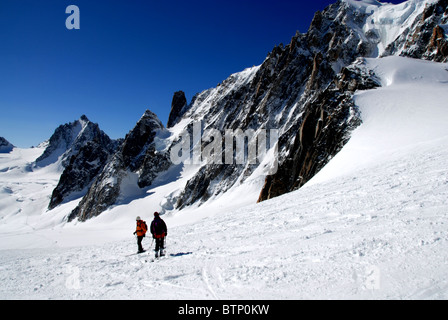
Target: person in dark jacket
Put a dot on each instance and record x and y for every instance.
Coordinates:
(159, 231)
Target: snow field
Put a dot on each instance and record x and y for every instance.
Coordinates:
(371, 225)
(335, 240)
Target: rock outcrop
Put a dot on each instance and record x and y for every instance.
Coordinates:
(82, 150)
(427, 37)
(324, 130)
(303, 90)
(131, 168)
(289, 92)
(5, 146)
(178, 106)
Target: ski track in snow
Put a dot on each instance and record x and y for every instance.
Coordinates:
(377, 230)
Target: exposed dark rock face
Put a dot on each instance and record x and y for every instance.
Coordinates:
(304, 90)
(426, 39)
(5, 146)
(324, 130)
(137, 159)
(102, 194)
(288, 92)
(438, 45)
(178, 107)
(80, 172)
(298, 91)
(60, 144)
(82, 149)
(69, 138)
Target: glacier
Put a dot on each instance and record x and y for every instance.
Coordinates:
(370, 225)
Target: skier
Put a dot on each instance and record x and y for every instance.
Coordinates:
(159, 232)
(140, 232)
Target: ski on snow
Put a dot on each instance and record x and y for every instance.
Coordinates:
(134, 254)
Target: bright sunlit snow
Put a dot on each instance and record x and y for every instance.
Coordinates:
(371, 225)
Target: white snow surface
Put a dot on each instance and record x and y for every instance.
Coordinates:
(371, 225)
(388, 20)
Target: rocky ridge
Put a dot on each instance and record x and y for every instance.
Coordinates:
(137, 162)
(5, 145)
(80, 149)
(304, 90)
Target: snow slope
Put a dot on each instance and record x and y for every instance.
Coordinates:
(388, 21)
(24, 195)
(370, 225)
(408, 111)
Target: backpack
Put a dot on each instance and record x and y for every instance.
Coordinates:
(142, 224)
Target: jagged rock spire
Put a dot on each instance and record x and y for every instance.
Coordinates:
(5, 146)
(178, 106)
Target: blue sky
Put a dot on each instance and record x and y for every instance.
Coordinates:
(127, 56)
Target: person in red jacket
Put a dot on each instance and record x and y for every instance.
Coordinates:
(140, 232)
(159, 231)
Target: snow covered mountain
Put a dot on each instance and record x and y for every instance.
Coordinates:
(5, 145)
(133, 167)
(68, 139)
(370, 27)
(304, 90)
(79, 149)
(352, 194)
(370, 225)
(416, 29)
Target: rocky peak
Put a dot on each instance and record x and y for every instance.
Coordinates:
(5, 146)
(420, 30)
(178, 106)
(82, 149)
(137, 162)
(325, 128)
(304, 89)
(134, 145)
(69, 138)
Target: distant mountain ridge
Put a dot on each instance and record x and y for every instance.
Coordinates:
(137, 159)
(304, 90)
(5, 145)
(81, 149)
